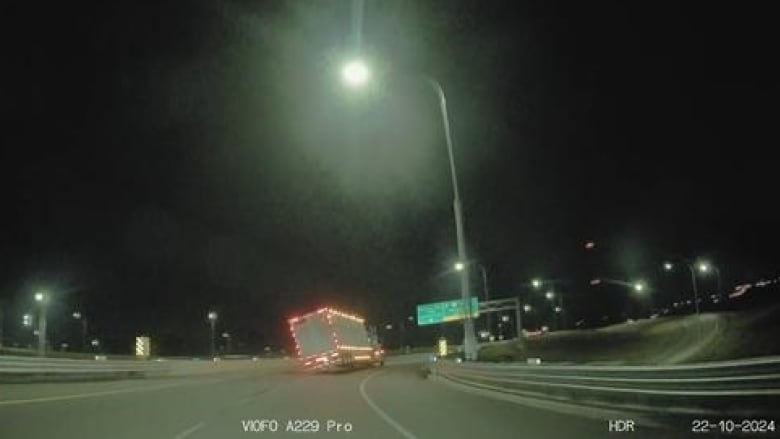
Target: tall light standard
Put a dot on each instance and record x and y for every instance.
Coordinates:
(356, 74)
(460, 266)
(705, 268)
(226, 336)
(702, 267)
(42, 299)
(83, 319)
(212, 316)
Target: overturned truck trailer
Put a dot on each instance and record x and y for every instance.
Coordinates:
(328, 339)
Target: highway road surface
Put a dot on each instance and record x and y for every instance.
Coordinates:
(391, 402)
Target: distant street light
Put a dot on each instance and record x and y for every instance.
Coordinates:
(558, 309)
(706, 268)
(702, 267)
(228, 339)
(83, 319)
(550, 295)
(459, 266)
(212, 317)
(639, 286)
(527, 308)
(95, 342)
(536, 283)
(356, 74)
(42, 298)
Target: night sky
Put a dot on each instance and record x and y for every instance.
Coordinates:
(164, 158)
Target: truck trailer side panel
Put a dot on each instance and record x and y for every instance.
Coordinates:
(313, 335)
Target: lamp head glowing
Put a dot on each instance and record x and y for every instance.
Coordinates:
(355, 73)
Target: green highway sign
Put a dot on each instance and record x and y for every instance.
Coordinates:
(449, 311)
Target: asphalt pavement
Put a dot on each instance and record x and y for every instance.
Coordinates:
(395, 401)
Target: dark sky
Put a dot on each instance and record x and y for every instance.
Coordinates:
(164, 158)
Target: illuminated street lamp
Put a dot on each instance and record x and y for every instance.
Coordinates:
(527, 308)
(42, 298)
(228, 338)
(706, 268)
(356, 74)
(702, 267)
(536, 283)
(639, 286)
(460, 266)
(549, 295)
(83, 319)
(212, 317)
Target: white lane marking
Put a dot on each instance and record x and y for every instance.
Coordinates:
(393, 423)
(89, 395)
(190, 430)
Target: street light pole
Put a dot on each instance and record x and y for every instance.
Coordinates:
(212, 316)
(695, 288)
(83, 322)
(487, 297)
(717, 274)
(469, 337)
(41, 298)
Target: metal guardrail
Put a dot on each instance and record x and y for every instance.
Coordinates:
(745, 386)
(18, 366)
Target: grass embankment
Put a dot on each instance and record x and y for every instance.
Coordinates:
(665, 340)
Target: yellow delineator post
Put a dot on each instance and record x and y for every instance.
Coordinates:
(143, 347)
(442, 347)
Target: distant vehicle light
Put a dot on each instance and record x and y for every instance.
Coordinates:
(534, 361)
